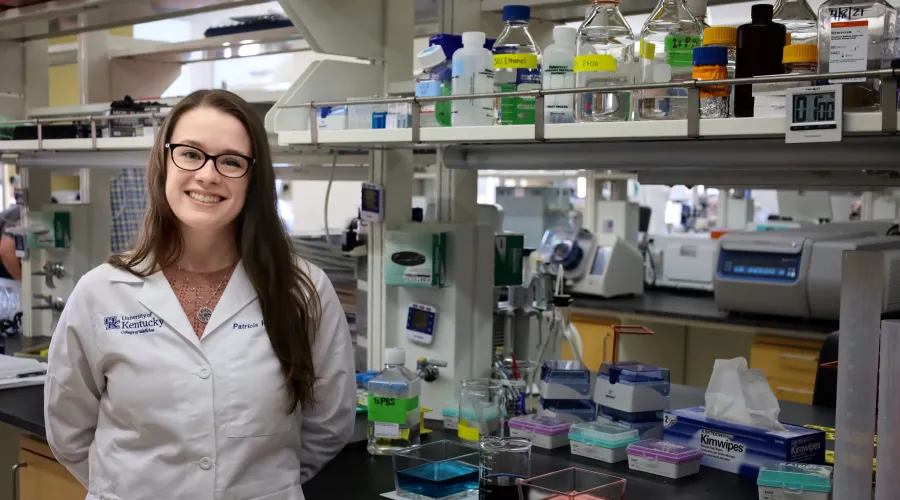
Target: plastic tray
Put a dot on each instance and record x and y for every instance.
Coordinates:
(632, 372)
(661, 451)
(540, 425)
(607, 435)
(796, 477)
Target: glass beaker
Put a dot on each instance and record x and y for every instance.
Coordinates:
(504, 461)
(482, 409)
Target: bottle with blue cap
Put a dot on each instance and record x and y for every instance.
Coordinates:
(517, 67)
(711, 63)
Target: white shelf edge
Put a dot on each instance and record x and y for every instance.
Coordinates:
(854, 123)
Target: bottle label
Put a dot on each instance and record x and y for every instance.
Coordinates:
(388, 410)
(429, 88)
(712, 73)
(443, 109)
(515, 61)
(680, 50)
(847, 13)
(558, 75)
(849, 47)
(595, 62)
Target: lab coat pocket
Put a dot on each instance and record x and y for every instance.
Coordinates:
(258, 398)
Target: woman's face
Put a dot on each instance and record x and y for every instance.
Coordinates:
(204, 199)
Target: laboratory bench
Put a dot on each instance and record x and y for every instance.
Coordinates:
(372, 476)
(43, 478)
(690, 333)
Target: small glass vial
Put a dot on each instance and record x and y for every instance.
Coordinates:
(722, 36)
(711, 63)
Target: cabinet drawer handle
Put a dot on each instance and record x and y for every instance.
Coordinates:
(799, 357)
(15, 479)
(795, 391)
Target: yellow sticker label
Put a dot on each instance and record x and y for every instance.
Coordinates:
(595, 62)
(516, 61)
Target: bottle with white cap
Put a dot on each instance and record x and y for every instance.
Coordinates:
(393, 405)
(473, 73)
(559, 73)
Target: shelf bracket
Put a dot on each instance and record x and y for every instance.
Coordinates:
(693, 113)
(889, 105)
(539, 118)
(313, 126)
(415, 121)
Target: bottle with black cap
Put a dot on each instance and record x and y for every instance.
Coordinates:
(760, 45)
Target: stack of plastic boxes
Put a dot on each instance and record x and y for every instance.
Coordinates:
(634, 395)
(565, 390)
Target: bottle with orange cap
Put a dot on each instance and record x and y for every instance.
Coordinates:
(799, 59)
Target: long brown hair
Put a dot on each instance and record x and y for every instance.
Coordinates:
(287, 296)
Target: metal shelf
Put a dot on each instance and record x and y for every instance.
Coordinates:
(255, 43)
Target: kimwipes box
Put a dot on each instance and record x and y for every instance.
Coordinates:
(739, 448)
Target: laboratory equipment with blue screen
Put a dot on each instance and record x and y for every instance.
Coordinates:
(371, 206)
(420, 323)
(793, 272)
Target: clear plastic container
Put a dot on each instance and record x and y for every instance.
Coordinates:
(606, 442)
(558, 73)
(795, 481)
(573, 484)
(434, 80)
(848, 28)
(393, 406)
(664, 459)
(436, 471)
(605, 56)
(799, 19)
(544, 432)
(517, 67)
(565, 380)
(674, 33)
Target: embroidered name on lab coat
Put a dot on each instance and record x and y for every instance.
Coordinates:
(136, 324)
(248, 326)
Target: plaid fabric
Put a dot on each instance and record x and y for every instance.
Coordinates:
(127, 204)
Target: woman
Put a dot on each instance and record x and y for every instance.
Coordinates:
(209, 362)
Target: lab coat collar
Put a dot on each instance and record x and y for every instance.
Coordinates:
(157, 296)
(238, 293)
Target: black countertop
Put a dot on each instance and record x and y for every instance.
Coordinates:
(369, 477)
(695, 305)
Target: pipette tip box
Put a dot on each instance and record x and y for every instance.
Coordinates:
(450, 415)
(602, 441)
(570, 410)
(564, 380)
(632, 387)
(742, 449)
(647, 430)
(665, 459)
(544, 432)
(778, 480)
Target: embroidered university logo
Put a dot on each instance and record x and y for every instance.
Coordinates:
(112, 322)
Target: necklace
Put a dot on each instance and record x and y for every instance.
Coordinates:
(205, 312)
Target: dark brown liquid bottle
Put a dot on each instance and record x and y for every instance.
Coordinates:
(760, 45)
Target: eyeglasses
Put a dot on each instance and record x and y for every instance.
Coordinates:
(192, 159)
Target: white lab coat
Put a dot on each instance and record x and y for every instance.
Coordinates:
(138, 408)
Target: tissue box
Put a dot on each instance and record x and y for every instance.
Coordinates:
(739, 448)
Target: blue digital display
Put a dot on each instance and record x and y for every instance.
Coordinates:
(759, 266)
(421, 321)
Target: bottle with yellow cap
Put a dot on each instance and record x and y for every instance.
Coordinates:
(604, 56)
(722, 36)
(770, 99)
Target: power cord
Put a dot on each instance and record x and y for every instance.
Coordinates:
(328, 196)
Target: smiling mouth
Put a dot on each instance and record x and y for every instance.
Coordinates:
(204, 198)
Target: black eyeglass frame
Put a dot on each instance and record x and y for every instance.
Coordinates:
(206, 157)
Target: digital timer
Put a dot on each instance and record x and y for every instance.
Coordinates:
(814, 114)
(371, 207)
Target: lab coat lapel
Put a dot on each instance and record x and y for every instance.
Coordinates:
(238, 293)
(158, 296)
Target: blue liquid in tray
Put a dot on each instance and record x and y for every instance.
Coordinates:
(438, 480)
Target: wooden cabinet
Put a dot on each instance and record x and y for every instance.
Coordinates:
(596, 339)
(41, 477)
(790, 365)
